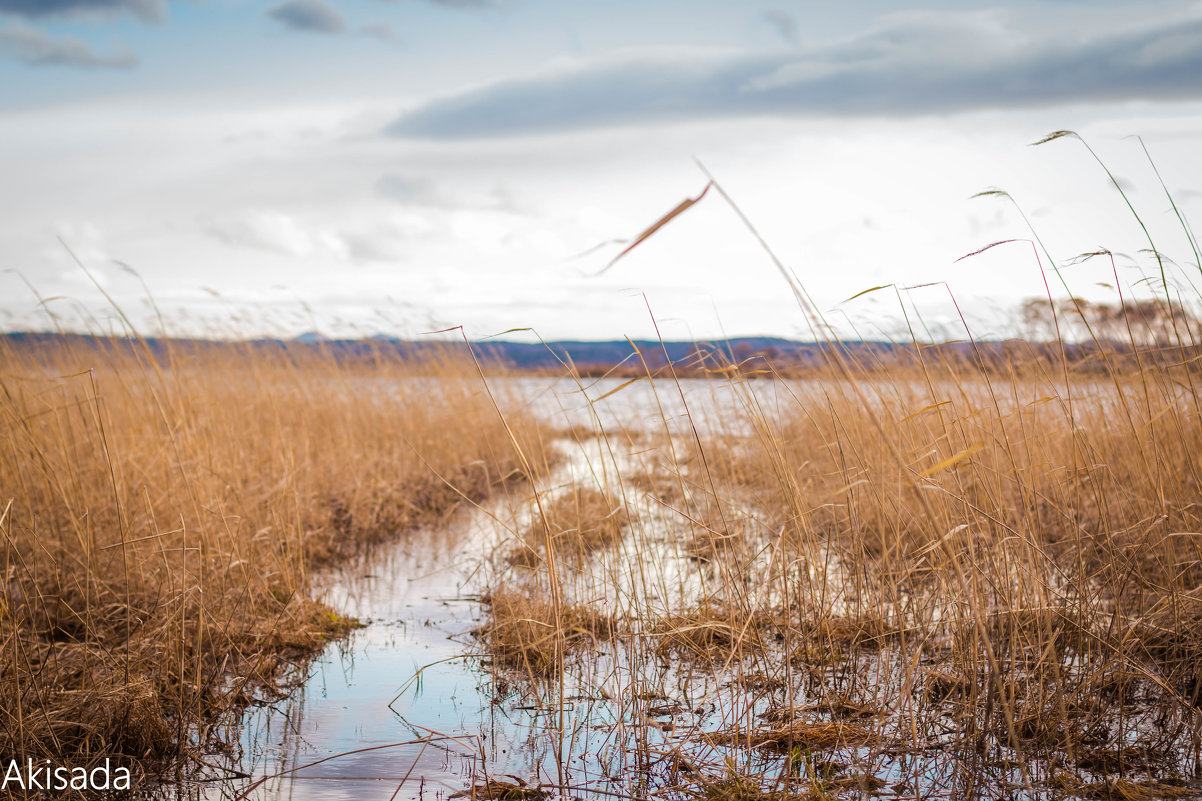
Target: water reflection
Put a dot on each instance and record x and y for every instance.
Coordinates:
(416, 598)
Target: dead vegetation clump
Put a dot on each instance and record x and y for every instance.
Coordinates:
(1119, 761)
(526, 633)
(714, 630)
(817, 783)
(660, 485)
(846, 633)
(845, 706)
(720, 535)
(494, 789)
(818, 735)
(1120, 789)
(1172, 632)
(576, 523)
(947, 685)
(743, 788)
(1036, 631)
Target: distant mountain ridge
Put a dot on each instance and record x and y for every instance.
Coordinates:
(749, 355)
(557, 355)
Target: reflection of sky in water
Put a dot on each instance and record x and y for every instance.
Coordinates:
(410, 593)
(412, 598)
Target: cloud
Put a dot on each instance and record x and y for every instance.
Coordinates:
(784, 23)
(310, 16)
(408, 190)
(275, 232)
(910, 63)
(387, 239)
(87, 241)
(420, 191)
(146, 10)
(39, 49)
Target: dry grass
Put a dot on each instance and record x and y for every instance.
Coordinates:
(741, 788)
(996, 568)
(528, 634)
(1117, 789)
(501, 790)
(163, 509)
(576, 523)
(821, 735)
(714, 631)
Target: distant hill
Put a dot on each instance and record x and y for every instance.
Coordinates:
(581, 356)
(749, 355)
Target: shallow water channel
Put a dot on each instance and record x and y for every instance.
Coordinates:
(395, 686)
(407, 706)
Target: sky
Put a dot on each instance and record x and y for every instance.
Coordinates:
(243, 168)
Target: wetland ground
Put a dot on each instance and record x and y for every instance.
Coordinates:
(943, 584)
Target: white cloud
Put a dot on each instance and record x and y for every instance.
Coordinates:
(277, 232)
(907, 64)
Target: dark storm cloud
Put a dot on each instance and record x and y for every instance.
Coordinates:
(146, 10)
(311, 16)
(910, 63)
(39, 49)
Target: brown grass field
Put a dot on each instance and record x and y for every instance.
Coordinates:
(162, 514)
(1001, 574)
